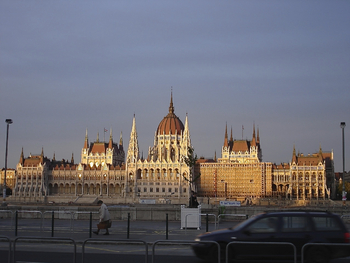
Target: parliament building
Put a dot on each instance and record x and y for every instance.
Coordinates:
(107, 170)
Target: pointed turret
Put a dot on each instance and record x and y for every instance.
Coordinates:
(21, 159)
(226, 137)
(231, 140)
(86, 143)
(54, 157)
(98, 138)
(121, 139)
(294, 158)
(320, 154)
(42, 155)
(110, 144)
(72, 159)
(186, 135)
(254, 138)
(171, 107)
(133, 150)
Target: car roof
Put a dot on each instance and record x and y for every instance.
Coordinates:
(298, 212)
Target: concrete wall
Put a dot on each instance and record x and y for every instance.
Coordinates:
(151, 212)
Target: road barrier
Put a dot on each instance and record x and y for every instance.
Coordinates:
(240, 216)
(44, 241)
(40, 240)
(6, 239)
(180, 242)
(52, 213)
(261, 244)
(322, 246)
(118, 241)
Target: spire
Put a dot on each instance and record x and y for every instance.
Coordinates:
(133, 150)
(226, 139)
(98, 138)
(86, 143)
(110, 144)
(121, 139)
(231, 140)
(21, 159)
(54, 157)
(215, 157)
(320, 154)
(72, 159)
(171, 107)
(254, 138)
(186, 137)
(42, 155)
(294, 158)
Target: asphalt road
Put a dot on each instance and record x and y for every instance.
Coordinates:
(126, 243)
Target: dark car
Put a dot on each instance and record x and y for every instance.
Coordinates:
(296, 227)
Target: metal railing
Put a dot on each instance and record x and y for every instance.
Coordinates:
(120, 241)
(260, 243)
(6, 239)
(241, 216)
(321, 249)
(181, 242)
(40, 240)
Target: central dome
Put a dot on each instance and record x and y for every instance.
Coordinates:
(170, 123)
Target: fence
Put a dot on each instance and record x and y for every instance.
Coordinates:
(15, 254)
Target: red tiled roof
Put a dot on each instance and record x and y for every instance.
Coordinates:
(240, 146)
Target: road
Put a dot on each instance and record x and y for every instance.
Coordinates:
(122, 245)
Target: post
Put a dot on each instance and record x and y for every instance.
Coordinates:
(128, 229)
(342, 126)
(8, 121)
(90, 228)
(52, 223)
(16, 223)
(207, 223)
(166, 227)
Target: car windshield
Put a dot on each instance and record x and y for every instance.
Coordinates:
(244, 223)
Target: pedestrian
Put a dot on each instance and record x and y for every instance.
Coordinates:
(105, 219)
(193, 200)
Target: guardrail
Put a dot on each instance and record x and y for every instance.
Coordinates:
(44, 241)
(320, 250)
(346, 218)
(181, 242)
(123, 241)
(6, 239)
(261, 243)
(207, 219)
(52, 213)
(40, 240)
(241, 216)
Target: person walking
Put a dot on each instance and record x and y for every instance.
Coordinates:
(105, 219)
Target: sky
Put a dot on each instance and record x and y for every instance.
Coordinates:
(68, 66)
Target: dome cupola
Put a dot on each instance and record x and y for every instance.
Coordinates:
(170, 124)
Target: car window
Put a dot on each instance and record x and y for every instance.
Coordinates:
(295, 224)
(325, 223)
(264, 225)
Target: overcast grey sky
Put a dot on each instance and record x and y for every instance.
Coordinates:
(70, 65)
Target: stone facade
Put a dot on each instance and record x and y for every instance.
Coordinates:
(104, 171)
(107, 171)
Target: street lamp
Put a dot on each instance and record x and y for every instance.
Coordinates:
(8, 121)
(342, 126)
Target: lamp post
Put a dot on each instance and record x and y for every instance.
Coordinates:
(8, 121)
(342, 126)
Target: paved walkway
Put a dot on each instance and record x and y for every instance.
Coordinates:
(79, 230)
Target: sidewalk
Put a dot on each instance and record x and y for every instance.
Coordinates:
(148, 231)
